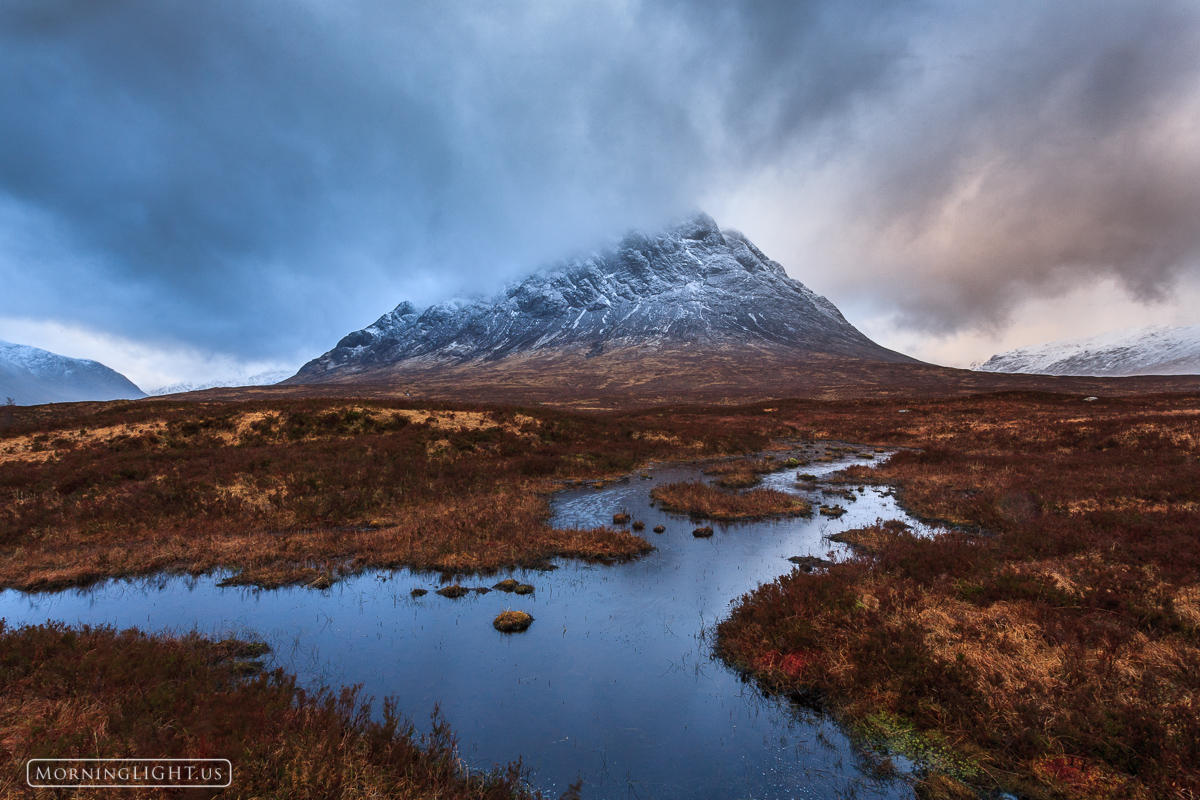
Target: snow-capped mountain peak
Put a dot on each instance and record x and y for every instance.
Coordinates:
(1145, 350)
(31, 376)
(692, 285)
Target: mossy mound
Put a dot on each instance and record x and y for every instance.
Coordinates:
(512, 621)
(453, 592)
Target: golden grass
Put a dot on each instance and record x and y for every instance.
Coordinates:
(302, 492)
(512, 621)
(83, 693)
(1055, 642)
(698, 499)
(477, 533)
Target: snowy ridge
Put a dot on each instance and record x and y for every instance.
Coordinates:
(690, 285)
(31, 376)
(259, 379)
(1148, 350)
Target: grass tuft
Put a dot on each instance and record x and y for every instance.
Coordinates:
(699, 499)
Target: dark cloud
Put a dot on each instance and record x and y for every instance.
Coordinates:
(1042, 147)
(259, 178)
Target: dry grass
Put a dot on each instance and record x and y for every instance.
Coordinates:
(1053, 642)
(302, 492)
(512, 621)
(77, 693)
(698, 499)
(873, 538)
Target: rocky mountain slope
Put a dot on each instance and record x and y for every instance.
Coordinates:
(1150, 350)
(30, 376)
(691, 302)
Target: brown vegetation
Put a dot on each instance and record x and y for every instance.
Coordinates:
(631, 377)
(872, 538)
(512, 621)
(699, 499)
(1051, 645)
(74, 693)
(1051, 641)
(301, 492)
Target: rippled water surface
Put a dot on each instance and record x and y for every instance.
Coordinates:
(615, 682)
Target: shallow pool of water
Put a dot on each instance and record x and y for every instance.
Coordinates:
(615, 682)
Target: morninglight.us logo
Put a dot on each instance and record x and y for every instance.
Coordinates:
(128, 773)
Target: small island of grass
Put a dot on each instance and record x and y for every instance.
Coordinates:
(512, 621)
(700, 499)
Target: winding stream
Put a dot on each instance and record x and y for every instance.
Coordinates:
(615, 682)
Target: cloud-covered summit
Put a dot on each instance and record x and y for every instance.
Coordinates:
(691, 288)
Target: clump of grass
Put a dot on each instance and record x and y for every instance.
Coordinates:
(621, 518)
(873, 538)
(523, 588)
(699, 499)
(507, 585)
(660, 528)
(638, 525)
(739, 480)
(703, 533)
(745, 473)
(512, 621)
(454, 592)
(419, 592)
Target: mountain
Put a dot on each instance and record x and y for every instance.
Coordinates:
(1149, 350)
(691, 303)
(260, 379)
(30, 376)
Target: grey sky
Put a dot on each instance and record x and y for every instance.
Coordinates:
(248, 181)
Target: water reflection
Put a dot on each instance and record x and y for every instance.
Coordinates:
(615, 682)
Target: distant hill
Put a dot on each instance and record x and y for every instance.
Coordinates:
(691, 305)
(30, 376)
(1150, 350)
(259, 379)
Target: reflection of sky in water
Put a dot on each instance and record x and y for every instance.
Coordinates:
(614, 682)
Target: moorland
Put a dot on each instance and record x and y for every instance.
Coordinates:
(1048, 642)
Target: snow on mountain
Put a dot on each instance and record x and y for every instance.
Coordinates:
(691, 286)
(30, 376)
(1148, 350)
(258, 379)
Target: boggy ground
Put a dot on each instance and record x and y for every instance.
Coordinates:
(301, 491)
(83, 693)
(1050, 644)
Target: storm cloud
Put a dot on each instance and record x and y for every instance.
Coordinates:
(256, 179)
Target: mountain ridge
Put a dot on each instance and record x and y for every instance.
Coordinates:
(1144, 350)
(690, 288)
(32, 376)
